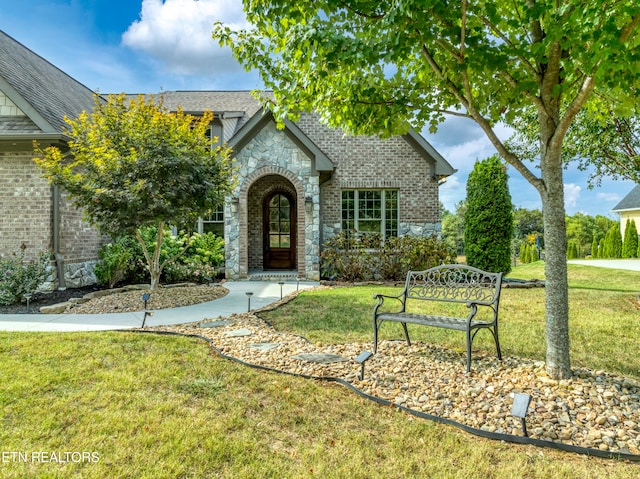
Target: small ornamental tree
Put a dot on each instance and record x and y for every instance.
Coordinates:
(602, 249)
(630, 243)
(523, 255)
(132, 163)
(489, 217)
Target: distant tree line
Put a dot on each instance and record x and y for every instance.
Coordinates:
(587, 236)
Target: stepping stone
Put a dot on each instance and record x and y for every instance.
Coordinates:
(322, 358)
(238, 333)
(217, 324)
(264, 346)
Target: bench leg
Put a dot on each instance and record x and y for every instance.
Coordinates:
(494, 331)
(375, 335)
(406, 333)
(469, 341)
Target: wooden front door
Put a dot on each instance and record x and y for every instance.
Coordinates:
(279, 220)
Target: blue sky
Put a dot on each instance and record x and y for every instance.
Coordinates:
(146, 46)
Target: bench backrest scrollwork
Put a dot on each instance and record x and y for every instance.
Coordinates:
(456, 283)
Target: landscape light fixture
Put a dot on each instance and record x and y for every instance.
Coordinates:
(362, 358)
(144, 319)
(145, 299)
(249, 294)
(521, 403)
(281, 283)
(27, 296)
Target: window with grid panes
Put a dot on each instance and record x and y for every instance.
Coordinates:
(370, 211)
(213, 223)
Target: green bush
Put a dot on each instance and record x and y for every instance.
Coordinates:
(195, 272)
(19, 276)
(362, 257)
(207, 248)
(123, 260)
(116, 261)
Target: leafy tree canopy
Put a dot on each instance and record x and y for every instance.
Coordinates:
(131, 163)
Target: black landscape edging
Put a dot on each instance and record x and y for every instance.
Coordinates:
(384, 402)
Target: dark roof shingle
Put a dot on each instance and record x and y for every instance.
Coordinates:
(630, 202)
(48, 90)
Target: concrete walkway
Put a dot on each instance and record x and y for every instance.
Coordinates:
(629, 264)
(236, 301)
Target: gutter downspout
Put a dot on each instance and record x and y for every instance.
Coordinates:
(56, 238)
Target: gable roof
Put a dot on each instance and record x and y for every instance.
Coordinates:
(321, 162)
(442, 167)
(629, 202)
(41, 90)
(240, 105)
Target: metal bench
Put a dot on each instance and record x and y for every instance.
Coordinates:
(452, 283)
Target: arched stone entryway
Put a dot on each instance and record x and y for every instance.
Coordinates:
(272, 222)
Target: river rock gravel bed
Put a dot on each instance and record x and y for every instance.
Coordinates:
(593, 409)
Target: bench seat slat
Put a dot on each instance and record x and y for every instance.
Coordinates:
(447, 322)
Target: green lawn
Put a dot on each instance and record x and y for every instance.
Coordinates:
(603, 316)
(150, 406)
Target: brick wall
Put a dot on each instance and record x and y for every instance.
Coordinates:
(25, 206)
(26, 216)
(371, 162)
(79, 242)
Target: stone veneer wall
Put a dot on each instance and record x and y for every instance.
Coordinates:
(268, 161)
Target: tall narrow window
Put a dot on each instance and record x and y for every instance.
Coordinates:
(279, 222)
(370, 211)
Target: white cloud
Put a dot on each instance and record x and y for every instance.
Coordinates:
(178, 34)
(452, 192)
(610, 197)
(571, 195)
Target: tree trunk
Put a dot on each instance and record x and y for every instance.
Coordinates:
(153, 261)
(558, 363)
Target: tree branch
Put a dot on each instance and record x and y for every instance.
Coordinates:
(360, 13)
(463, 28)
(525, 61)
(628, 30)
(512, 159)
(572, 110)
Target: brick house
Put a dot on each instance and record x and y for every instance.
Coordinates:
(295, 187)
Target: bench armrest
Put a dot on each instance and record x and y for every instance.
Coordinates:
(382, 297)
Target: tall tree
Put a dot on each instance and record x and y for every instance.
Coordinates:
(630, 242)
(378, 67)
(594, 248)
(132, 163)
(613, 243)
(489, 218)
